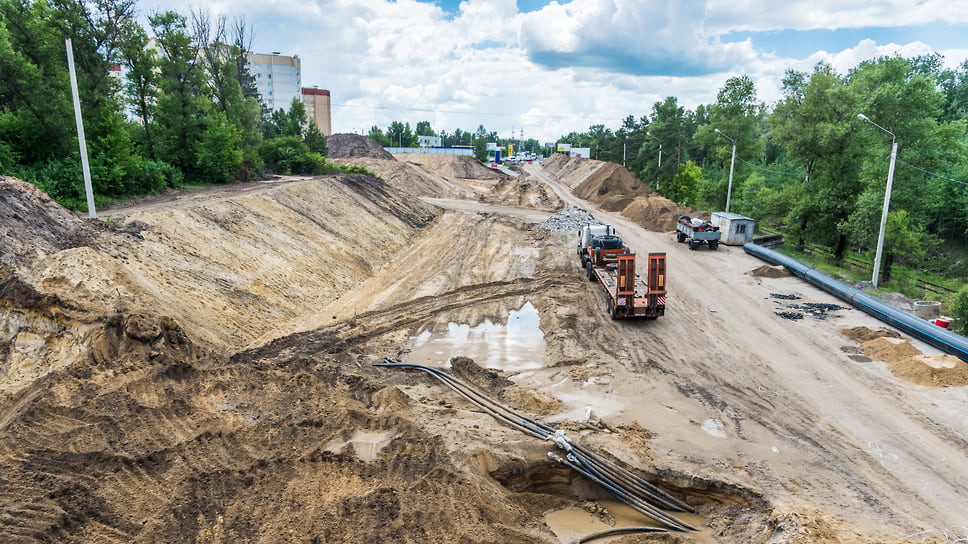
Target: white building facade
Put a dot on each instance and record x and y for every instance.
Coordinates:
(278, 78)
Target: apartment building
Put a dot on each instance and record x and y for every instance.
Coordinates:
(316, 102)
(278, 78)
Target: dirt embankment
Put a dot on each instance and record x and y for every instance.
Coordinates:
(225, 269)
(454, 176)
(613, 188)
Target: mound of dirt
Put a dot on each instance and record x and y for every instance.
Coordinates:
(767, 271)
(866, 334)
(453, 166)
(31, 223)
(613, 188)
(411, 178)
(909, 364)
(346, 146)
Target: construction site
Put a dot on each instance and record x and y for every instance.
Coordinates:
(421, 356)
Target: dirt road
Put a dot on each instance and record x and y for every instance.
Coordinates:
(811, 426)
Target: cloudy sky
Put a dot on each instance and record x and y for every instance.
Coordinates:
(551, 67)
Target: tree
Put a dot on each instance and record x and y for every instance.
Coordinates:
(217, 154)
(816, 123)
(141, 88)
(401, 135)
(423, 129)
(897, 94)
(737, 115)
(315, 140)
(682, 190)
(378, 136)
(183, 104)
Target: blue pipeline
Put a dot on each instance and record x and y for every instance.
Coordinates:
(925, 331)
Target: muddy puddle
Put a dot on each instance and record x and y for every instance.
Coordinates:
(572, 524)
(517, 345)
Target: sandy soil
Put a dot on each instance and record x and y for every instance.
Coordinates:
(197, 369)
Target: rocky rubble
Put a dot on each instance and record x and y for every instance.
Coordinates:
(569, 219)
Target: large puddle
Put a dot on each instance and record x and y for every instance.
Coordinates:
(572, 524)
(517, 345)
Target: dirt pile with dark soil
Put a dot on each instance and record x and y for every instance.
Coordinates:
(613, 188)
(348, 146)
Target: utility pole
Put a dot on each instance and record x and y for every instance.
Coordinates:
(85, 167)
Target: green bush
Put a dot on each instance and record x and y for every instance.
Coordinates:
(156, 176)
(959, 309)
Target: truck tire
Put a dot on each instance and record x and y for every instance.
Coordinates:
(693, 245)
(680, 237)
(714, 245)
(609, 308)
(588, 269)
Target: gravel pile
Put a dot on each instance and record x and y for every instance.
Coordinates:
(569, 219)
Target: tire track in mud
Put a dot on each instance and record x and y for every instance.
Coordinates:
(371, 324)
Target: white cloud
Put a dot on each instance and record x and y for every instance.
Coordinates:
(555, 70)
(724, 16)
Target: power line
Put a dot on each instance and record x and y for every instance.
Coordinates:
(791, 174)
(930, 173)
(456, 112)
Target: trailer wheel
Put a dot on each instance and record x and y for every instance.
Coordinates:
(714, 245)
(693, 244)
(610, 308)
(588, 269)
(680, 237)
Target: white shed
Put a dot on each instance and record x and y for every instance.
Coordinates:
(736, 229)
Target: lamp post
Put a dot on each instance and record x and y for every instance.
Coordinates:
(660, 159)
(729, 189)
(887, 198)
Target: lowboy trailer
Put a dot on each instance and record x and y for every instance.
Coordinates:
(627, 295)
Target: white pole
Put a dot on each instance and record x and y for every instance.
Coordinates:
(729, 189)
(85, 167)
(887, 204)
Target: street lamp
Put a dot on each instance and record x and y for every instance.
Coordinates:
(887, 198)
(660, 158)
(729, 189)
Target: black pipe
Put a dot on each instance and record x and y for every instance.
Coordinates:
(630, 489)
(925, 331)
(621, 531)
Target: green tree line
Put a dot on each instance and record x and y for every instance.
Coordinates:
(399, 134)
(186, 112)
(809, 166)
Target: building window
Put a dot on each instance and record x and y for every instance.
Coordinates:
(741, 228)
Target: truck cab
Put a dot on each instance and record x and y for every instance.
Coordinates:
(585, 235)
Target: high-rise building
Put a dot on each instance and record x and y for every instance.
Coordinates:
(278, 78)
(316, 102)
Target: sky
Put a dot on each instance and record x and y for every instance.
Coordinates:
(543, 69)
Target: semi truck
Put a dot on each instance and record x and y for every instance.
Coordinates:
(609, 262)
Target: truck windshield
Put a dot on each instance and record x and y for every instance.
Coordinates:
(607, 242)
